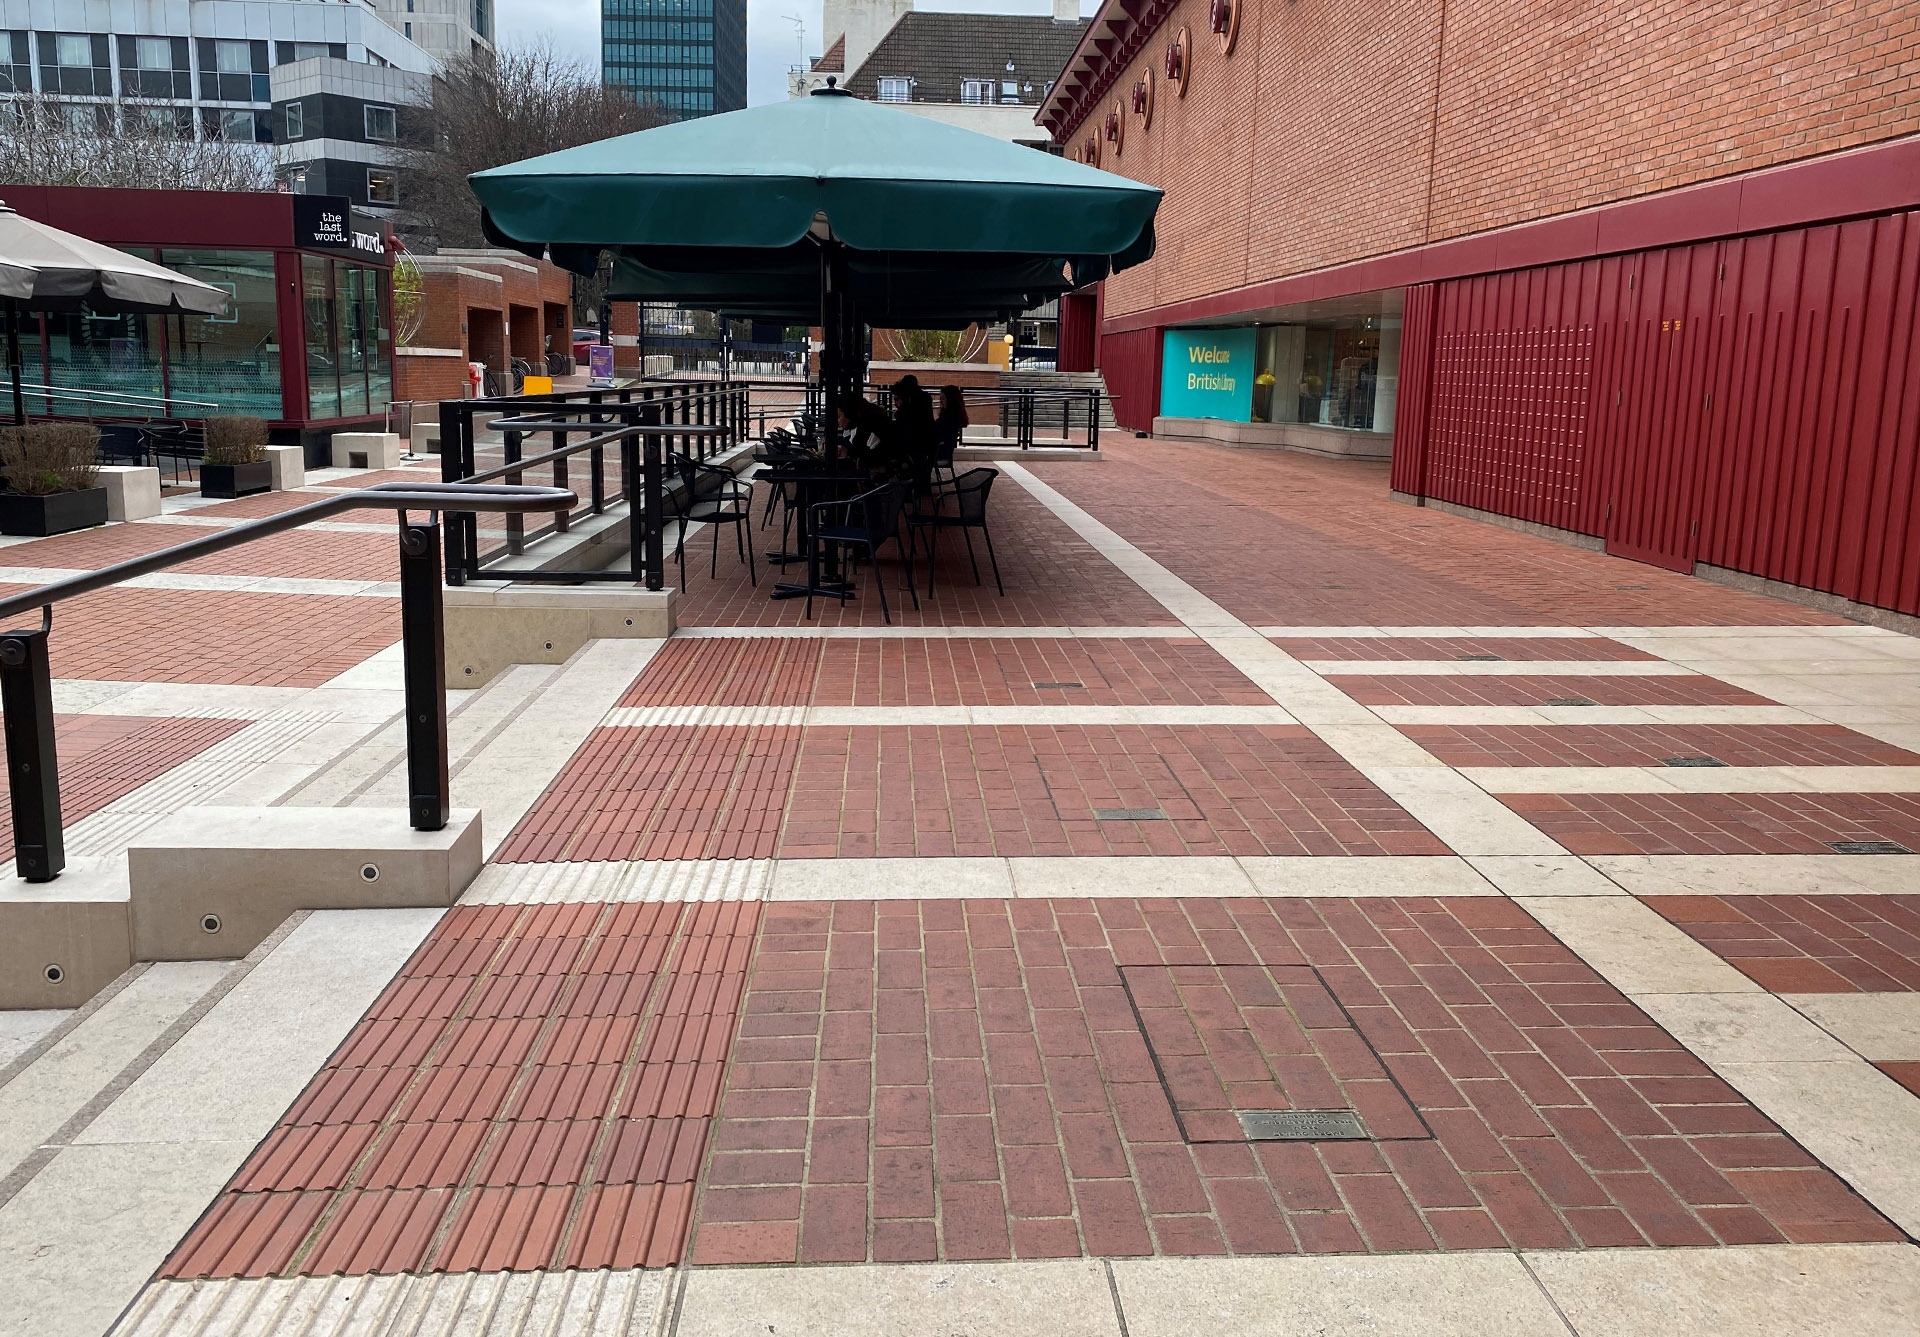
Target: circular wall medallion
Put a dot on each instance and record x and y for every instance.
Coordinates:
(1117, 127)
(1180, 59)
(1224, 18)
(1090, 152)
(1143, 98)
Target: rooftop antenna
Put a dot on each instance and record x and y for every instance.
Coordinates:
(799, 39)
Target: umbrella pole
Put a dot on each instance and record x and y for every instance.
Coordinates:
(13, 360)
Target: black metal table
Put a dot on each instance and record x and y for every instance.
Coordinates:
(812, 486)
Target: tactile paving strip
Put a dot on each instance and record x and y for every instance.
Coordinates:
(533, 1091)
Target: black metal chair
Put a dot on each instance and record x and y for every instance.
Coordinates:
(731, 503)
(177, 439)
(968, 500)
(865, 523)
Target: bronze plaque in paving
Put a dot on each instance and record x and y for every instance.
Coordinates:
(1252, 1053)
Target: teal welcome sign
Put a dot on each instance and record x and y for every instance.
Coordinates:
(1207, 374)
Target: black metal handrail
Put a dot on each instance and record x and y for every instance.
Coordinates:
(26, 673)
(642, 422)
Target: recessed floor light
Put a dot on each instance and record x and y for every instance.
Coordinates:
(1128, 815)
(1691, 761)
(1572, 701)
(1045, 685)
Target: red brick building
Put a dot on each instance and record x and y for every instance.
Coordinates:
(482, 306)
(1643, 273)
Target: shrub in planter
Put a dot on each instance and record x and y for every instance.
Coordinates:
(235, 464)
(50, 470)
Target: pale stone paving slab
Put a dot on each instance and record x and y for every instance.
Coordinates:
(1449, 1295)
(1880, 1027)
(1756, 874)
(1694, 779)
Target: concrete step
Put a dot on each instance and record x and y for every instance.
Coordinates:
(135, 1118)
(63, 1072)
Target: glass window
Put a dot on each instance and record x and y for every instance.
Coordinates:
(232, 57)
(73, 49)
(382, 186)
(296, 120)
(895, 90)
(381, 128)
(352, 327)
(231, 361)
(323, 373)
(974, 92)
(153, 53)
(175, 122)
(236, 125)
(1009, 90)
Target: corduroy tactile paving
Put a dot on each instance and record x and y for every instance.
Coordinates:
(954, 1080)
(105, 757)
(971, 671)
(707, 792)
(1543, 690)
(533, 1091)
(1720, 823)
(1809, 944)
(1655, 744)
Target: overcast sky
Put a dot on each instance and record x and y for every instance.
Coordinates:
(573, 26)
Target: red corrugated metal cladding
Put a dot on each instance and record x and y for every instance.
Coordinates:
(1752, 404)
(1079, 327)
(1130, 362)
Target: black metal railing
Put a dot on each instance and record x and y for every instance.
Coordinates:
(26, 674)
(1027, 415)
(639, 425)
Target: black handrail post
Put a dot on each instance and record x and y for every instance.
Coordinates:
(1093, 420)
(516, 526)
(33, 765)
(423, 630)
(563, 522)
(452, 470)
(655, 528)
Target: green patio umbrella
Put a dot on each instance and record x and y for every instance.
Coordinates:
(826, 208)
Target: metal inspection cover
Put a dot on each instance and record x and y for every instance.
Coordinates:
(1481, 659)
(1128, 815)
(1867, 847)
(1045, 685)
(1691, 761)
(1572, 701)
(1302, 1126)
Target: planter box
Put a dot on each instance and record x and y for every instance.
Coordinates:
(235, 480)
(61, 513)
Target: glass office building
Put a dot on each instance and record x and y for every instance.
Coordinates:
(687, 56)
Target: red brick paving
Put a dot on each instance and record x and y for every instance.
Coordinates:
(307, 553)
(266, 503)
(1320, 543)
(1035, 789)
(533, 1091)
(1538, 690)
(706, 792)
(423, 474)
(677, 792)
(1650, 744)
(1808, 944)
(216, 636)
(1053, 578)
(1719, 823)
(922, 1080)
(973, 671)
(1458, 647)
(105, 757)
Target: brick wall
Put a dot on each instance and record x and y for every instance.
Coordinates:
(1341, 129)
(424, 376)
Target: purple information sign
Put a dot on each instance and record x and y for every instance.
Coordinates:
(600, 361)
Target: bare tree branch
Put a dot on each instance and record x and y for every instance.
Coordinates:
(487, 111)
(129, 142)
